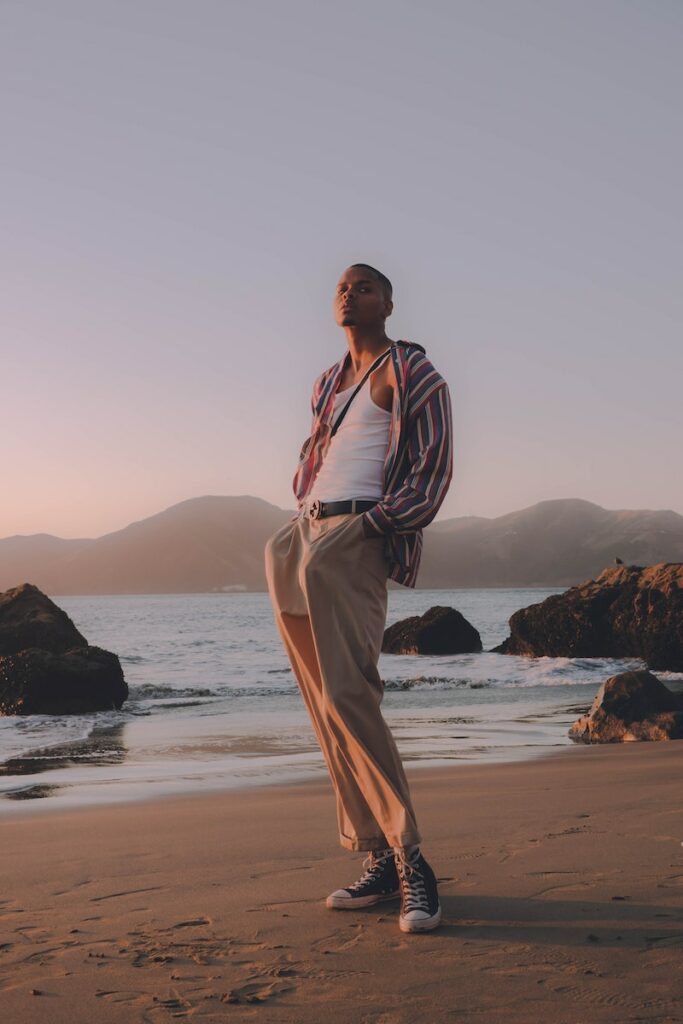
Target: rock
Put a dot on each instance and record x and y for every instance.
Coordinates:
(631, 706)
(627, 612)
(28, 618)
(46, 665)
(439, 631)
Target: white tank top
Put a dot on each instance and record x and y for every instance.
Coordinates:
(353, 466)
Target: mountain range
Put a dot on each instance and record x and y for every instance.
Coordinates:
(215, 543)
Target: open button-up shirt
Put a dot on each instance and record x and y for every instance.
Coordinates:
(419, 462)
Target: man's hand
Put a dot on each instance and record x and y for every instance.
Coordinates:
(368, 529)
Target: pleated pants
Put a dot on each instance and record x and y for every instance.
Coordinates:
(328, 586)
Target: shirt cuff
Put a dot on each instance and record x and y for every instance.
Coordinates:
(376, 523)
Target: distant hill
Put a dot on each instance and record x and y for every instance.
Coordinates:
(216, 543)
(554, 543)
(199, 545)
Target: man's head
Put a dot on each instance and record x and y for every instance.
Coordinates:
(363, 297)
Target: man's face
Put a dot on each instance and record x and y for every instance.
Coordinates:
(360, 300)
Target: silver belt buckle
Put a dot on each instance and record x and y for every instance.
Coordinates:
(315, 509)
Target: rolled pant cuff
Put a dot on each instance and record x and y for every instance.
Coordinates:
(380, 842)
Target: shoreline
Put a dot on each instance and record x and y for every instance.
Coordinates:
(393, 586)
(561, 883)
(28, 807)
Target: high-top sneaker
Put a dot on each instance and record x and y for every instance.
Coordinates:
(420, 909)
(379, 881)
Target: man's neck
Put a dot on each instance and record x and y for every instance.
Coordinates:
(365, 346)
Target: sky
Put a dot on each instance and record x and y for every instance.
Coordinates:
(183, 183)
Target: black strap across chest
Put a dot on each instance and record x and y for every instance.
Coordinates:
(337, 423)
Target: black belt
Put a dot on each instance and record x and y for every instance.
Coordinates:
(321, 509)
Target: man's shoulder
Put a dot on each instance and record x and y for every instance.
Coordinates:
(416, 364)
(409, 348)
(420, 382)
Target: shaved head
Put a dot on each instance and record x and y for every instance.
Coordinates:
(363, 297)
(378, 275)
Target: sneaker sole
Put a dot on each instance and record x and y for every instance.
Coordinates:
(340, 903)
(427, 925)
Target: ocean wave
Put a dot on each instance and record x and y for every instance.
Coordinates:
(433, 683)
(159, 691)
(670, 677)
(518, 672)
(262, 691)
(548, 671)
(170, 706)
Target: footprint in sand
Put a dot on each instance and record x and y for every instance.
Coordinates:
(553, 890)
(124, 892)
(196, 922)
(174, 1005)
(72, 888)
(122, 996)
(383, 1018)
(257, 991)
(280, 871)
(581, 994)
(276, 907)
(671, 882)
(341, 940)
(468, 855)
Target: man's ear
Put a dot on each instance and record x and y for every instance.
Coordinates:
(388, 308)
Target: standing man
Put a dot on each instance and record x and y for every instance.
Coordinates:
(373, 472)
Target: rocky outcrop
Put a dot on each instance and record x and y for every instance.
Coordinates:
(30, 619)
(627, 612)
(46, 665)
(39, 682)
(631, 706)
(439, 631)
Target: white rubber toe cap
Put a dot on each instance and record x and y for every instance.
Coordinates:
(419, 921)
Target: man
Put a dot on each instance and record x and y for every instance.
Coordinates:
(373, 472)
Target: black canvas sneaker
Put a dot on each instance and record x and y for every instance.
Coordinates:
(378, 882)
(420, 909)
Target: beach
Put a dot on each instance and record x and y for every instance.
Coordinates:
(561, 883)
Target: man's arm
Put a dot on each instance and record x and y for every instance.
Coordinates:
(430, 468)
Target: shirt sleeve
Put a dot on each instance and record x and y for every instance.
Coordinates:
(302, 475)
(318, 387)
(429, 458)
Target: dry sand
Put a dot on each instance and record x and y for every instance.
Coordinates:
(562, 887)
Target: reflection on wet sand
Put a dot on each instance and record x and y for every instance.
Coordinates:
(104, 746)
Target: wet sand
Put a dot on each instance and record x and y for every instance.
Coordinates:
(562, 888)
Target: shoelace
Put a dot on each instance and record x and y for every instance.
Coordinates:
(412, 882)
(373, 866)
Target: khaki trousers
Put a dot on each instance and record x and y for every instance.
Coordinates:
(328, 585)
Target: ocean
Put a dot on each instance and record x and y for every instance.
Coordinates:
(213, 704)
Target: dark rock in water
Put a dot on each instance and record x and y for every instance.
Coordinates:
(35, 682)
(439, 631)
(46, 665)
(28, 618)
(631, 706)
(627, 612)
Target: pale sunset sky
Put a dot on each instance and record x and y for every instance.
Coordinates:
(183, 182)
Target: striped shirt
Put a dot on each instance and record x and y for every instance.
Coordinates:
(419, 460)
